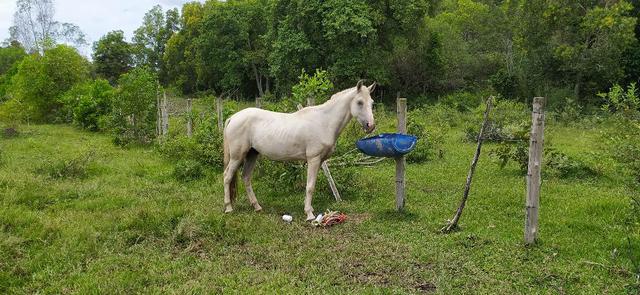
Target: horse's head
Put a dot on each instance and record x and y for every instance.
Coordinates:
(362, 106)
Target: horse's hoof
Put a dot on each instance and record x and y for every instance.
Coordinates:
(311, 217)
(257, 208)
(228, 209)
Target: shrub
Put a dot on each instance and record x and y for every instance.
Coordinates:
(88, 104)
(508, 121)
(41, 80)
(556, 163)
(205, 147)
(187, 170)
(135, 107)
(317, 87)
(76, 167)
(462, 101)
(619, 100)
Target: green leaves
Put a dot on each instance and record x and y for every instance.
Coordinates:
(112, 56)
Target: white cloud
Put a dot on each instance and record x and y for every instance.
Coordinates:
(94, 17)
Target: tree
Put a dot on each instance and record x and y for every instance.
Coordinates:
(35, 28)
(112, 56)
(589, 42)
(41, 80)
(9, 55)
(150, 39)
(181, 51)
(135, 107)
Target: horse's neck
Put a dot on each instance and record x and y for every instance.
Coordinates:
(336, 114)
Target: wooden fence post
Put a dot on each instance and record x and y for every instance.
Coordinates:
(536, 142)
(189, 119)
(165, 115)
(219, 113)
(400, 161)
(327, 173)
(159, 114)
(258, 102)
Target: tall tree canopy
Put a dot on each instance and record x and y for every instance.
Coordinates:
(112, 56)
(151, 38)
(36, 29)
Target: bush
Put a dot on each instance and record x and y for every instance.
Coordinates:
(621, 101)
(187, 170)
(508, 121)
(556, 163)
(317, 87)
(41, 80)
(76, 167)
(462, 101)
(205, 147)
(135, 107)
(88, 104)
(431, 125)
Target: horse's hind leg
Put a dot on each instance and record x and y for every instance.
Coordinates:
(229, 183)
(247, 171)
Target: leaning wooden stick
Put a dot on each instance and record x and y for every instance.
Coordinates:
(453, 224)
(327, 173)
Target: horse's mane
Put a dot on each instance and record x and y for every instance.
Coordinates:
(340, 94)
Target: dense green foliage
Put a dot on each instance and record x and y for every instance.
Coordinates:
(41, 80)
(135, 107)
(518, 48)
(112, 56)
(88, 104)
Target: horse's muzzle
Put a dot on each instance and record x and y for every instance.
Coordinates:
(369, 127)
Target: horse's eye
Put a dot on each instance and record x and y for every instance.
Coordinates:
(360, 103)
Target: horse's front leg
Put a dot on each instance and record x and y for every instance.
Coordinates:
(312, 174)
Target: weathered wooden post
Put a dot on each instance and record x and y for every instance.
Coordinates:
(189, 119)
(258, 102)
(327, 173)
(219, 113)
(159, 113)
(400, 161)
(165, 115)
(536, 142)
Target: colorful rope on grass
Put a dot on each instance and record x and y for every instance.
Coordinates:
(329, 218)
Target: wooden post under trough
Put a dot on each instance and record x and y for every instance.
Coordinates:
(536, 142)
(400, 161)
(219, 113)
(327, 173)
(189, 119)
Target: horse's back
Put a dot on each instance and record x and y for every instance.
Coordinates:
(279, 136)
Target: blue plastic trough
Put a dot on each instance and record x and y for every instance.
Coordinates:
(387, 144)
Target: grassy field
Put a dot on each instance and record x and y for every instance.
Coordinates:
(124, 225)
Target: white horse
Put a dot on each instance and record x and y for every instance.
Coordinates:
(309, 134)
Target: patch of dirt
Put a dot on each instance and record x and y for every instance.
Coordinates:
(10, 132)
(426, 287)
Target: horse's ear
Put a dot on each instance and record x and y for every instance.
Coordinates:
(372, 87)
(359, 85)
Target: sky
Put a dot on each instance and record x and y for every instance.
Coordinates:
(94, 17)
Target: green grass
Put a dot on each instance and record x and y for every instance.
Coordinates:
(128, 226)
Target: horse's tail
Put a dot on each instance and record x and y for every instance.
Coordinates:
(233, 186)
